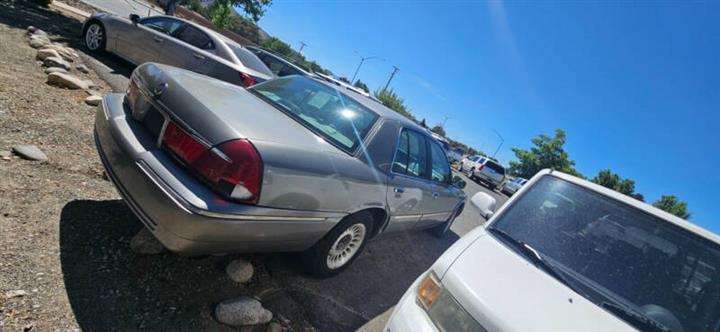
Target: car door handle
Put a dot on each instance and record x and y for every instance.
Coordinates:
(399, 190)
(159, 39)
(198, 56)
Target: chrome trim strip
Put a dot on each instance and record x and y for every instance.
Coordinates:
(406, 216)
(255, 217)
(436, 214)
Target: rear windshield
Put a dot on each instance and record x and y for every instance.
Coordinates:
(495, 167)
(250, 60)
(615, 253)
(323, 109)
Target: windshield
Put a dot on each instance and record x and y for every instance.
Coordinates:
(621, 254)
(325, 110)
(250, 60)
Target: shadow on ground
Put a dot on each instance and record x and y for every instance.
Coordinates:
(370, 286)
(62, 29)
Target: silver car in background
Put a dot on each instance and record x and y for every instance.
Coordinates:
(512, 186)
(489, 172)
(176, 42)
(291, 164)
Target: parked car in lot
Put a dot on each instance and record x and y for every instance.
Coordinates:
(565, 254)
(512, 186)
(468, 164)
(176, 42)
(489, 172)
(291, 164)
(279, 65)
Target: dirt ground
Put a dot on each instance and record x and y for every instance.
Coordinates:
(64, 232)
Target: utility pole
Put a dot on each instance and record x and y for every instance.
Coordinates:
(395, 70)
(302, 45)
(360, 64)
(502, 140)
(445, 121)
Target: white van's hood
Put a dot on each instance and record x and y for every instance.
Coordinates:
(504, 292)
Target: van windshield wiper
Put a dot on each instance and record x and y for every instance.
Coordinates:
(532, 254)
(634, 317)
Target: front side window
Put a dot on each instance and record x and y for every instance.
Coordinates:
(440, 167)
(162, 24)
(618, 254)
(195, 37)
(323, 109)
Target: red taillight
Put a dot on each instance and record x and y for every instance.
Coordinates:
(132, 93)
(247, 80)
(233, 168)
(480, 168)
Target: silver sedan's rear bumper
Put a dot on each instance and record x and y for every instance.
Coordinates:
(183, 213)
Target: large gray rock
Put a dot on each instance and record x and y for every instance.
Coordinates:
(30, 152)
(66, 81)
(31, 29)
(274, 327)
(144, 243)
(242, 311)
(66, 53)
(45, 53)
(82, 68)
(240, 270)
(38, 32)
(38, 42)
(55, 70)
(56, 61)
(93, 100)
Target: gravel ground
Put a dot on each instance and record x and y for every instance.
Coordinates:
(65, 233)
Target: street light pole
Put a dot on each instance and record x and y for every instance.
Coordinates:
(302, 45)
(395, 70)
(502, 140)
(360, 64)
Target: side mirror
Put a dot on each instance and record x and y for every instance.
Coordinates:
(134, 18)
(458, 182)
(484, 203)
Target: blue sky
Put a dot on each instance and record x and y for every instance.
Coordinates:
(635, 85)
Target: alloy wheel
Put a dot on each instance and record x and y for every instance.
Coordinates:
(94, 37)
(346, 246)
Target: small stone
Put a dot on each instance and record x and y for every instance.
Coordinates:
(30, 152)
(242, 311)
(5, 155)
(274, 327)
(55, 61)
(44, 53)
(82, 68)
(38, 42)
(145, 243)
(55, 70)
(93, 100)
(39, 32)
(240, 270)
(66, 81)
(31, 29)
(15, 293)
(66, 53)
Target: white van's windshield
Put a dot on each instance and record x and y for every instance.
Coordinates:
(619, 254)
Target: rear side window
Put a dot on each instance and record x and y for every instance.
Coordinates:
(250, 60)
(440, 167)
(411, 155)
(195, 37)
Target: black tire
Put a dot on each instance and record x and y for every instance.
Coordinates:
(101, 43)
(472, 173)
(315, 259)
(439, 231)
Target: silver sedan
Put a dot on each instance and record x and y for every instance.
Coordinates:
(291, 164)
(176, 42)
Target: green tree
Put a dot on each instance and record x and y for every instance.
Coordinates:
(254, 9)
(608, 179)
(344, 79)
(438, 129)
(672, 204)
(394, 102)
(221, 14)
(547, 152)
(359, 84)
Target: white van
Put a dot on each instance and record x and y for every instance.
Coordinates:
(565, 254)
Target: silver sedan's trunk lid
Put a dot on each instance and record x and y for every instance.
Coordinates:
(217, 111)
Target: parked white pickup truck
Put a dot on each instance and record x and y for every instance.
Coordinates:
(564, 254)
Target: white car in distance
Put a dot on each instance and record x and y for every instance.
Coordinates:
(565, 254)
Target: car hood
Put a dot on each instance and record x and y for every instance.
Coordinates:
(504, 292)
